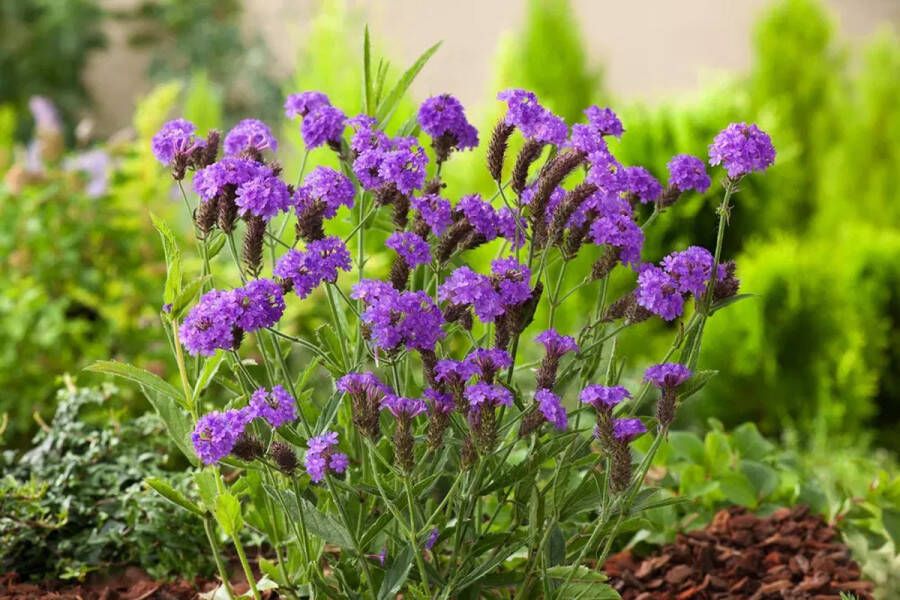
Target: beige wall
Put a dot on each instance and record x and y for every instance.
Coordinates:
(647, 47)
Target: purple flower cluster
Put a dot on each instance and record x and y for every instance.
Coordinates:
(399, 162)
(490, 297)
(322, 122)
(174, 138)
(551, 407)
(399, 318)
(625, 430)
(411, 248)
(588, 138)
(276, 407)
(325, 186)
(322, 458)
(533, 120)
(487, 394)
(249, 135)
(402, 407)
(688, 172)
(216, 432)
(306, 269)
(211, 181)
(742, 149)
(263, 196)
(604, 398)
(488, 362)
(363, 384)
(556, 344)
(444, 116)
(622, 233)
(454, 372)
(658, 293)
(642, 184)
(440, 402)
(435, 211)
(662, 290)
(216, 320)
(667, 375)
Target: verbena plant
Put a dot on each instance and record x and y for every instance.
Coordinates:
(420, 449)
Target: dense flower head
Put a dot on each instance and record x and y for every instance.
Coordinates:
(551, 407)
(261, 302)
(606, 172)
(432, 539)
(210, 324)
(742, 149)
(249, 134)
(263, 196)
(404, 167)
(366, 135)
(487, 394)
(626, 430)
(640, 182)
(371, 291)
(401, 318)
(585, 139)
(667, 375)
(511, 226)
(466, 287)
(231, 170)
(298, 105)
(216, 433)
(439, 402)
(327, 186)
(359, 384)
(488, 361)
(321, 125)
(444, 116)
(604, 121)
(480, 214)
(367, 168)
(453, 372)
(556, 198)
(555, 343)
(688, 172)
(321, 456)
(173, 138)
(321, 261)
(604, 398)
(690, 269)
(276, 407)
(533, 120)
(621, 232)
(412, 248)
(658, 292)
(435, 211)
(511, 280)
(402, 407)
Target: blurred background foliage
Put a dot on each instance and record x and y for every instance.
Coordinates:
(816, 350)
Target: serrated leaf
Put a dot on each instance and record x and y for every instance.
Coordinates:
(164, 489)
(210, 368)
(187, 296)
(396, 575)
(386, 107)
(137, 375)
(228, 513)
(588, 591)
(317, 522)
(173, 259)
(206, 487)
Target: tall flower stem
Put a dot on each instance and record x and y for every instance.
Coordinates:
(209, 529)
(248, 572)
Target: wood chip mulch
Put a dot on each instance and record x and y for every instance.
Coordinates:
(791, 554)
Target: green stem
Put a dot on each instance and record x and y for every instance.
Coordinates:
(248, 572)
(209, 528)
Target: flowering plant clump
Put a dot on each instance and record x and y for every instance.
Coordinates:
(414, 448)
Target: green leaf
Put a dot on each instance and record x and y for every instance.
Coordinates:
(178, 422)
(173, 259)
(489, 565)
(215, 246)
(763, 477)
(396, 575)
(137, 375)
(588, 591)
(317, 522)
(387, 106)
(556, 547)
(185, 299)
(210, 368)
(228, 514)
(164, 489)
(580, 574)
(890, 518)
(737, 489)
(687, 445)
(368, 99)
(728, 302)
(750, 443)
(206, 487)
(695, 384)
(717, 451)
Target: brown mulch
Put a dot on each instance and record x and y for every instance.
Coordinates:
(791, 554)
(130, 584)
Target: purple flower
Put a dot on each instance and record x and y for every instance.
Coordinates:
(454, 372)
(658, 293)
(366, 135)
(604, 121)
(440, 402)
(367, 168)
(174, 138)
(402, 407)
(363, 384)
(641, 183)
(555, 344)
(619, 231)
(321, 125)
(480, 215)
(404, 167)
(210, 181)
(466, 287)
(604, 398)
(742, 149)
(626, 430)
(261, 302)
(277, 407)
(371, 291)
(667, 375)
(321, 261)
(551, 130)
(551, 407)
(435, 211)
(95, 165)
(264, 196)
(444, 116)
(46, 117)
(489, 361)
(210, 324)
(606, 172)
(533, 120)
(511, 280)
(690, 269)
(216, 433)
(486, 394)
(511, 226)
(249, 134)
(556, 198)
(321, 456)
(688, 172)
(412, 248)
(408, 318)
(432, 539)
(327, 186)
(298, 105)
